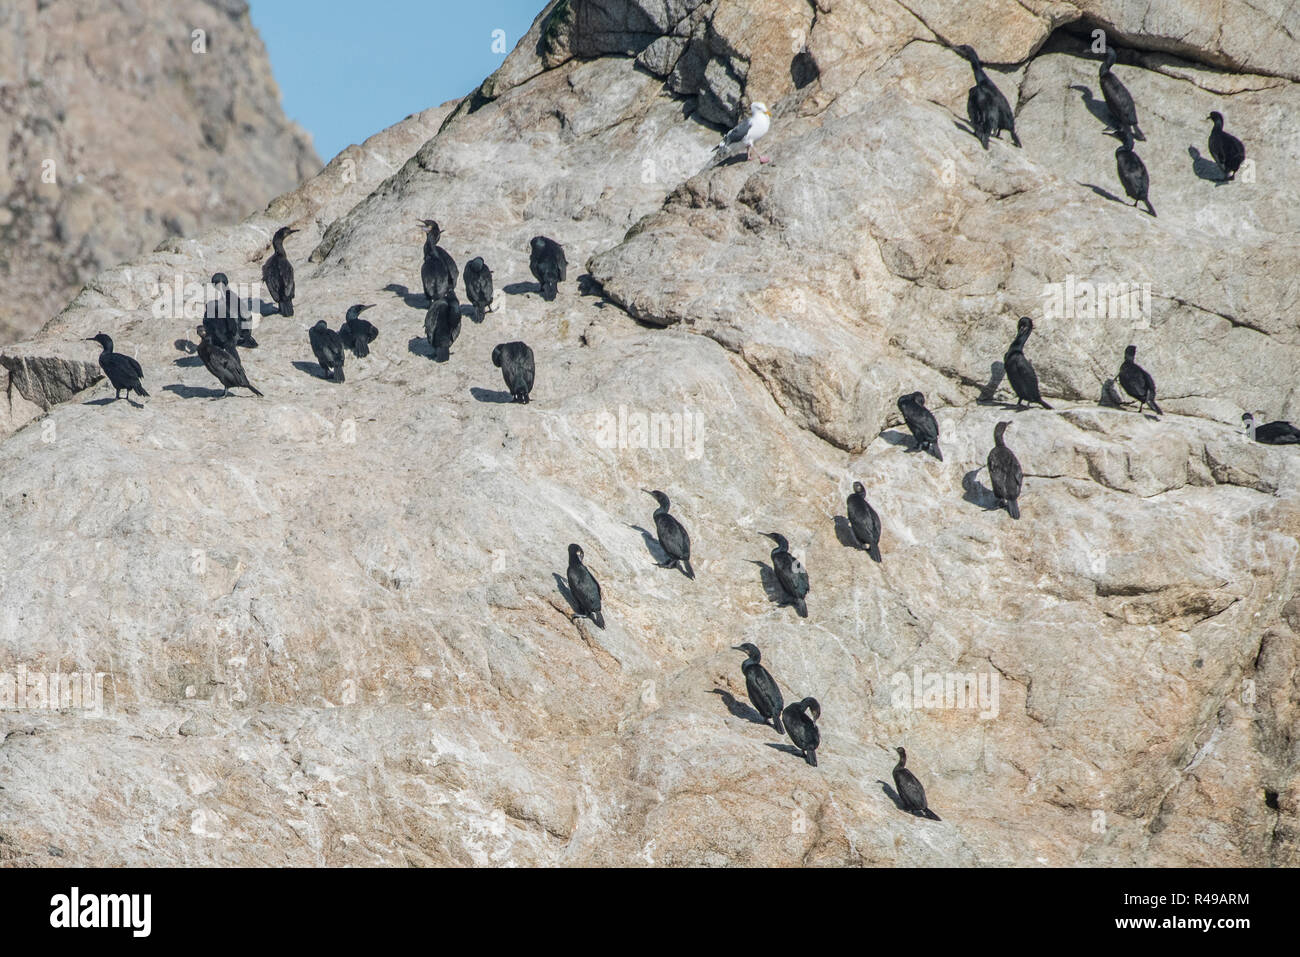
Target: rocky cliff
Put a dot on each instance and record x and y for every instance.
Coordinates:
(332, 622)
(123, 124)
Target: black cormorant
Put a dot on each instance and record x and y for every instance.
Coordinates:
(1273, 433)
(1118, 99)
(790, 573)
(442, 326)
(986, 107)
(277, 274)
(910, 792)
(1228, 151)
(436, 279)
(478, 286)
(433, 234)
(123, 372)
(1020, 373)
(672, 536)
(864, 521)
(763, 691)
(803, 729)
(328, 346)
(584, 588)
(221, 315)
(1133, 172)
(1137, 382)
(922, 423)
(548, 265)
(358, 333)
(515, 360)
(1005, 473)
(224, 364)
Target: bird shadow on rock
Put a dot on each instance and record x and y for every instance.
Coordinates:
(109, 400)
(1105, 194)
(588, 287)
(785, 748)
(844, 532)
(996, 375)
(522, 288)
(903, 439)
(563, 586)
(188, 362)
(194, 392)
(265, 308)
(775, 593)
(416, 300)
(1096, 107)
(734, 159)
(419, 346)
(491, 395)
(975, 492)
(892, 795)
(651, 545)
(738, 708)
(1206, 169)
(313, 369)
(185, 346)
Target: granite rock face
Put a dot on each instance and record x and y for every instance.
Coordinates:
(122, 125)
(333, 622)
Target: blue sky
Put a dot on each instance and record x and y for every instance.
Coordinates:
(349, 68)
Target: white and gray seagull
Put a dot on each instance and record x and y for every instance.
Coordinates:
(749, 131)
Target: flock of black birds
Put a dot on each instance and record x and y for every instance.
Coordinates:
(223, 333)
(990, 113)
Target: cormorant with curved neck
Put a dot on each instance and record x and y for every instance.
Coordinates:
(1272, 433)
(1118, 99)
(358, 333)
(925, 429)
(584, 588)
(224, 364)
(328, 348)
(547, 263)
(1005, 473)
(1020, 373)
(221, 315)
(790, 573)
(1228, 151)
(478, 287)
(442, 326)
(802, 728)
(762, 687)
(1137, 382)
(986, 107)
(515, 360)
(123, 372)
(864, 521)
(910, 792)
(672, 536)
(1133, 172)
(277, 274)
(432, 236)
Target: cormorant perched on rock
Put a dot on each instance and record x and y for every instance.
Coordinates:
(925, 429)
(764, 694)
(1133, 173)
(803, 729)
(548, 265)
(1137, 382)
(584, 588)
(478, 287)
(224, 364)
(515, 360)
(442, 326)
(1228, 151)
(1272, 433)
(123, 372)
(221, 315)
(748, 131)
(864, 521)
(328, 346)
(1020, 373)
(672, 537)
(358, 333)
(436, 279)
(432, 235)
(986, 108)
(790, 573)
(1118, 99)
(910, 792)
(277, 274)
(1005, 473)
